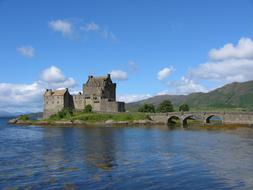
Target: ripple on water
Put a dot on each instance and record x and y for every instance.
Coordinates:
(125, 158)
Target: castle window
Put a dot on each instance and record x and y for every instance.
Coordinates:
(87, 97)
(58, 102)
(52, 102)
(46, 102)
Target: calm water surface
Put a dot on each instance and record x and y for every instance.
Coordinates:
(124, 158)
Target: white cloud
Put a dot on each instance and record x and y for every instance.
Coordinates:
(26, 51)
(186, 86)
(119, 75)
(29, 97)
(243, 50)
(231, 63)
(52, 74)
(62, 26)
(54, 78)
(165, 92)
(104, 32)
(164, 73)
(73, 29)
(21, 97)
(228, 64)
(232, 70)
(108, 35)
(133, 97)
(92, 26)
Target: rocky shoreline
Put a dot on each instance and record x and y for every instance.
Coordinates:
(79, 122)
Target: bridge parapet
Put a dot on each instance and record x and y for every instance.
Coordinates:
(226, 117)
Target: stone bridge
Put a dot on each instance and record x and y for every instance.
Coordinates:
(225, 117)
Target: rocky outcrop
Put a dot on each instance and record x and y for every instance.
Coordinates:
(13, 121)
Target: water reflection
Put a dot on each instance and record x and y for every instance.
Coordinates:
(125, 158)
(99, 148)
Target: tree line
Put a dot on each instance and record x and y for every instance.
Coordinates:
(163, 107)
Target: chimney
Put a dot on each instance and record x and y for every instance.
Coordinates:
(90, 76)
(108, 75)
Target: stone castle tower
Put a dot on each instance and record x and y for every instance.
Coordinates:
(99, 92)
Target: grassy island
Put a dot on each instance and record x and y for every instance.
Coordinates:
(67, 117)
(93, 117)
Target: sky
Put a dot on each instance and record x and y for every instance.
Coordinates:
(150, 47)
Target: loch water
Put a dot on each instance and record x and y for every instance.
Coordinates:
(33, 157)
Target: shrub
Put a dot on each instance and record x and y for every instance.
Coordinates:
(88, 109)
(65, 113)
(24, 117)
(184, 107)
(98, 117)
(165, 106)
(149, 108)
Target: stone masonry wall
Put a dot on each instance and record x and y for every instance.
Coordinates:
(52, 105)
(79, 102)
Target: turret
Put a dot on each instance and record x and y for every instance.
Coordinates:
(48, 92)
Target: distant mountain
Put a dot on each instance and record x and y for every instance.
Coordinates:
(32, 116)
(35, 116)
(8, 114)
(236, 96)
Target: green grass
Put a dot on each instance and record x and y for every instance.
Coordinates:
(99, 117)
(24, 117)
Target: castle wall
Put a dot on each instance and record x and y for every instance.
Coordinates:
(96, 106)
(68, 101)
(55, 103)
(103, 105)
(111, 106)
(101, 87)
(79, 102)
(121, 106)
(110, 92)
(52, 105)
(92, 91)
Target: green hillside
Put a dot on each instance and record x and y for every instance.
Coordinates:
(234, 96)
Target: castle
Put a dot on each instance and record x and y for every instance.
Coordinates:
(99, 92)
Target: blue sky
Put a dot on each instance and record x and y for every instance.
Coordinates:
(149, 47)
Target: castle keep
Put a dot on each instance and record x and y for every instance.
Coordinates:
(99, 92)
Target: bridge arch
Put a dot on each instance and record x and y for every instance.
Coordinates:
(171, 119)
(184, 120)
(218, 117)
